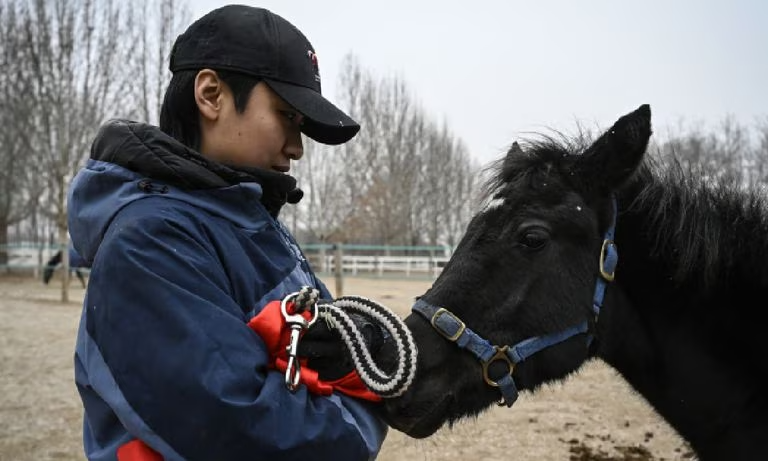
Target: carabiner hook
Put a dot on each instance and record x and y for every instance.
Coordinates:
(293, 370)
(297, 323)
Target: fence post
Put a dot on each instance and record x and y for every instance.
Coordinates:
(321, 257)
(338, 270)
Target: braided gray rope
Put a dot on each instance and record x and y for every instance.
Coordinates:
(335, 314)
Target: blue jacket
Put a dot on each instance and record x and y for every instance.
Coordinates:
(184, 252)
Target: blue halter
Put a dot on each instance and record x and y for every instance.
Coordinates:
(454, 330)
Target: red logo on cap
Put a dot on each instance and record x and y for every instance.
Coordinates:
(313, 57)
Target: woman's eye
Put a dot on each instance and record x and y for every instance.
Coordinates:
(293, 117)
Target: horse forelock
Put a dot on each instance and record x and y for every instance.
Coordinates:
(548, 157)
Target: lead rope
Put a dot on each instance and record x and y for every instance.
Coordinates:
(335, 314)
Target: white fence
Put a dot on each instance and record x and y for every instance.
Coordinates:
(26, 257)
(380, 265)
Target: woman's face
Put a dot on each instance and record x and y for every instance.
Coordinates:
(267, 134)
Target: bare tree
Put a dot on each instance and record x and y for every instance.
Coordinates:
(18, 193)
(731, 146)
(80, 52)
(322, 211)
(723, 152)
(398, 123)
(377, 184)
(82, 66)
(163, 22)
(335, 178)
(372, 189)
(361, 154)
(447, 193)
(757, 158)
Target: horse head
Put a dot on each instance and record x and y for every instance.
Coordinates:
(517, 304)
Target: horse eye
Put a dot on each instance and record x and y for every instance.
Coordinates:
(534, 238)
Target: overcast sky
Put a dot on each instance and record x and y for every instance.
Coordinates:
(499, 70)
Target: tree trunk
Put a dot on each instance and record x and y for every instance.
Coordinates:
(61, 221)
(4, 245)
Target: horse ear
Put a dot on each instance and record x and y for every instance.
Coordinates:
(514, 151)
(617, 153)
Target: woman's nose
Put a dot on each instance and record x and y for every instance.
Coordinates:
(294, 148)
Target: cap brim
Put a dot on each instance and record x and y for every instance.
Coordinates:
(323, 122)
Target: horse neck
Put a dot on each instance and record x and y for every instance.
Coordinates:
(679, 332)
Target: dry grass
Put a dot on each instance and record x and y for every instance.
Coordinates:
(593, 416)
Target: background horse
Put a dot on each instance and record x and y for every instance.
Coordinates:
(76, 265)
(536, 288)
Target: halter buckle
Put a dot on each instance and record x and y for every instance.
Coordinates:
(501, 354)
(607, 273)
(451, 321)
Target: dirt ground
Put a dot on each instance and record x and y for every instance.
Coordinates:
(594, 415)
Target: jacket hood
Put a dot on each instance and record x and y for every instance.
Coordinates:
(130, 161)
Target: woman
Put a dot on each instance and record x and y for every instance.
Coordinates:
(181, 226)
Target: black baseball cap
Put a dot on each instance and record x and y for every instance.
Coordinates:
(257, 42)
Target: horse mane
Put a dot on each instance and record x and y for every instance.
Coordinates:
(712, 225)
(706, 226)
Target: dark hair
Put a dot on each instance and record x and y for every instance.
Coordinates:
(179, 116)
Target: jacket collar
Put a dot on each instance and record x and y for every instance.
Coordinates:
(146, 150)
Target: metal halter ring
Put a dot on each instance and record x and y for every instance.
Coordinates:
(501, 354)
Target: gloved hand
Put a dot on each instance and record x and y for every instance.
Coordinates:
(327, 353)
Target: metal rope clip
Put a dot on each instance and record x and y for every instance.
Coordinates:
(297, 323)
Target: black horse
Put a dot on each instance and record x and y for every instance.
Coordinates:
(536, 288)
(76, 264)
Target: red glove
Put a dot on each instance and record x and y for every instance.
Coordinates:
(270, 325)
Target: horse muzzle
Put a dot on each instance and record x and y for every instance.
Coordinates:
(417, 421)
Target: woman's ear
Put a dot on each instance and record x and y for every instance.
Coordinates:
(209, 91)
